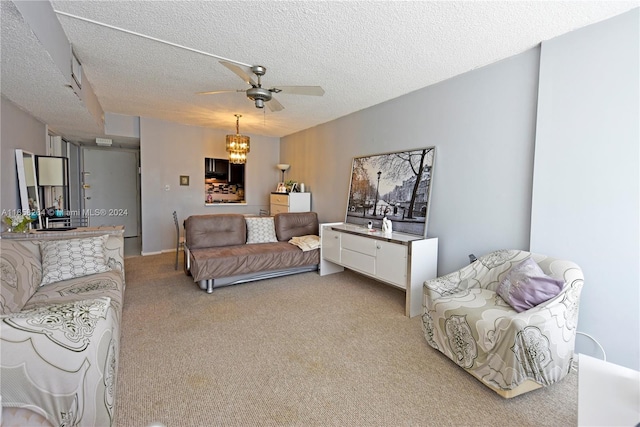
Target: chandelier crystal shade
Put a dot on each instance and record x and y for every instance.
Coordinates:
(238, 145)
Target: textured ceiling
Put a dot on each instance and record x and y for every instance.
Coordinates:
(361, 52)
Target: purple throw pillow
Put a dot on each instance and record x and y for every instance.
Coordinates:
(526, 286)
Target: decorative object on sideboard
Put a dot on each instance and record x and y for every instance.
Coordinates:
(238, 145)
(387, 226)
(291, 186)
(17, 223)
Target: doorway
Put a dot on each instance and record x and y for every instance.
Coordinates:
(110, 187)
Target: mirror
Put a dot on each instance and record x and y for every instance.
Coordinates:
(53, 181)
(28, 185)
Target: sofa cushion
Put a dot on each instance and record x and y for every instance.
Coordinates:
(69, 258)
(292, 224)
(228, 261)
(261, 230)
(21, 276)
(210, 231)
(526, 286)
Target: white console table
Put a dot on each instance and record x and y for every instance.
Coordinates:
(398, 259)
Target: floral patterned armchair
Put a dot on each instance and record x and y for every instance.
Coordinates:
(510, 352)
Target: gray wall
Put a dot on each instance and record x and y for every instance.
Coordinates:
(18, 130)
(482, 124)
(168, 150)
(586, 193)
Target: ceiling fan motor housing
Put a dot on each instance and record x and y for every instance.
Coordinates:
(259, 95)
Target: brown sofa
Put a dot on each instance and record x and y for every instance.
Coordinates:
(217, 253)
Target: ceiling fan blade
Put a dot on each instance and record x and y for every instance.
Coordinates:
(245, 75)
(274, 105)
(213, 92)
(299, 90)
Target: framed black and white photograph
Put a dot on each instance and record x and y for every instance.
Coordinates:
(395, 185)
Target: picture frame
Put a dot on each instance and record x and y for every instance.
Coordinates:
(395, 185)
(282, 188)
(184, 179)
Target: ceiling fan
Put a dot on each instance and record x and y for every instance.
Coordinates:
(260, 95)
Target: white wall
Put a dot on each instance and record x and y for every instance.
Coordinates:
(168, 150)
(586, 193)
(482, 125)
(18, 130)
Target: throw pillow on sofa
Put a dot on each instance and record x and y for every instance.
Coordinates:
(70, 258)
(21, 274)
(261, 230)
(526, 286)
(306, 243)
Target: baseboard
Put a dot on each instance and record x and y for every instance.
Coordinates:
(152, 253)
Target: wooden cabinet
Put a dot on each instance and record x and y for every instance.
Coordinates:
(398, 259)
(289, 202)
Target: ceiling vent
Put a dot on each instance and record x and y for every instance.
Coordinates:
(104, 142)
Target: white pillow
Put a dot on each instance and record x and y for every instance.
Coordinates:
(66, 259)
(261, 230)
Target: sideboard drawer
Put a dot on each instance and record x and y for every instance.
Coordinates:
(280, 199)
(359, 244)
(358, 261)
(276, 209)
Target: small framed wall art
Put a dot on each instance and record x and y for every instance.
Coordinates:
(184, 179)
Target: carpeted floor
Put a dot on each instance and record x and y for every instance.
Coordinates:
(301, 350)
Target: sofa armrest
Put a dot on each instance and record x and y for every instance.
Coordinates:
(453, 283)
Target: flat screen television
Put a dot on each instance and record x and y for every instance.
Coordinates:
(396, 185)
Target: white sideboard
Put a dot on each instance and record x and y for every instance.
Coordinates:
(398, 259)
(289, 202)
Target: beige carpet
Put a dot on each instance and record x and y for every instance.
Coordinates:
(301, 350)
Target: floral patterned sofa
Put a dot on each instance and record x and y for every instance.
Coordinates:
(61, 305)
(475, 319)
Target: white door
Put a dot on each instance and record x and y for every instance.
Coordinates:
(110, 184)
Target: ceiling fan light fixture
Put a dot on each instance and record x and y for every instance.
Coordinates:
(238, 145)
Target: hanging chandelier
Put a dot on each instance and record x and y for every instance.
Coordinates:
(238, 145)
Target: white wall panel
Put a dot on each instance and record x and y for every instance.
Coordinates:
(586, 192)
